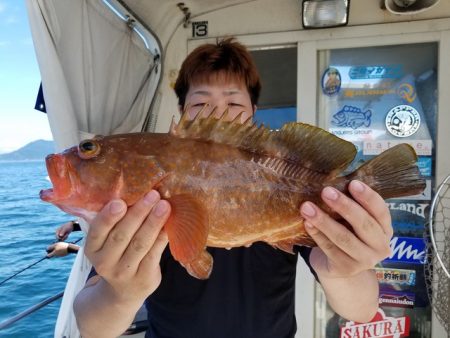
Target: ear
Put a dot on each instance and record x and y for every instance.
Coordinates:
(254, 109)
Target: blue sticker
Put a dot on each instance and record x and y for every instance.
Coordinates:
(392, 276)
(424, 164)
(376, 72)
(407, 250)
(331, 81)
(352, 117)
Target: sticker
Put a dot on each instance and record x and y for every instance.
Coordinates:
(403, 121)
(396, 276)
(375, 72)
(425, 166)
(368, 92)
(352, 117)
(380, 326)
(422, 147)
(396, 299)
(331, 81)
(406, 92)
(407, 250)
(199, 29)
(415, 209)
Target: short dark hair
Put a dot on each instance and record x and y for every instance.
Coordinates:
(207, 62)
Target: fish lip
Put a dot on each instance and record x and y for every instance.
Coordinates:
(59, 177)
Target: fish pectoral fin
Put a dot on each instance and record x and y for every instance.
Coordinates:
(201, 266)
(187, 228)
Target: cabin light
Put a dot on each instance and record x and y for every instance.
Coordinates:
(325, 13)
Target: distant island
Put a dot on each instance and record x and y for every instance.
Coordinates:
(36, 150)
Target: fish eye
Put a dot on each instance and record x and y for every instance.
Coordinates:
(88, 149)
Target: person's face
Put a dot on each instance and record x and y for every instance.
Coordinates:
(222, 95)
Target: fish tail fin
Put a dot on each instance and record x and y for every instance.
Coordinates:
(187, 229)
(393, 173)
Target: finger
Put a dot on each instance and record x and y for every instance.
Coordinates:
(145, 237)
(122, 234)
(335, 232)
(331, 250)
(153, 257)
(365, 226)
(102, 224)
(373, 203)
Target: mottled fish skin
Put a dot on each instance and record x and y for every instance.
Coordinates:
(229, 184)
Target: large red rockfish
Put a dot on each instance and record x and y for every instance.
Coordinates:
(229, 184)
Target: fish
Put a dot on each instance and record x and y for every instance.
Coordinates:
(229, 183)
(352, 117)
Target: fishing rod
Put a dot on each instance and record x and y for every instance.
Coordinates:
(33, 264)
(30, 310)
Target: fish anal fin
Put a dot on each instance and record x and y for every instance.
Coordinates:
(187, 228)
(201, 266)
(287, 245)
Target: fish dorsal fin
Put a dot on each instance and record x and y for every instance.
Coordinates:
(298, 143)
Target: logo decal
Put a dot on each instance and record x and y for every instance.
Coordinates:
(380, 326)
(352, 117)
(331, 81)
(396, 299)
(396, 276)
(403, 120)
(406, 92)
(375, 72)
(407, 250)
(417, 209)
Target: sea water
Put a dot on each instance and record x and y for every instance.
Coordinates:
(27, 227)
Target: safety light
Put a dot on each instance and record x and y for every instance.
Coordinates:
(325, 13)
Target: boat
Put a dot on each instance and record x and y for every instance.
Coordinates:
(109, 66)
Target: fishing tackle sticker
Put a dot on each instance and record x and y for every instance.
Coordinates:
(352, 117)
(406, 92)
(402, 299)
(407, 250)
(403, 120)
(331, 81)
(396, 276)
(380, 326)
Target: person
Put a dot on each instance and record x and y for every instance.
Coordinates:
(250, 292)
(61, 248)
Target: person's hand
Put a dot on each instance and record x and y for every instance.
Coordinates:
(343, 252)
(125, 246)
(63, 231)
(59, 249)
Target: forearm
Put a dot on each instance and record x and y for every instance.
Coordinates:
(101, 313)
(353, 298)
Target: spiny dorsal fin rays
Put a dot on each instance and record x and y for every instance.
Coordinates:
(315, 148)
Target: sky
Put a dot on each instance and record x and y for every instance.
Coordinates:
(20, 123)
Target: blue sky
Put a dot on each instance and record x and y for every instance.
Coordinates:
(19, 80)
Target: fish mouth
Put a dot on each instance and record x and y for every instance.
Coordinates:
(57, 168)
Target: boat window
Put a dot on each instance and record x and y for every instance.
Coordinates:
(278, 71)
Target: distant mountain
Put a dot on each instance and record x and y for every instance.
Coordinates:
(36, 150)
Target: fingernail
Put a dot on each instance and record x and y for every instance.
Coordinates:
(161, 208)
(308, 210)
(116, 207)
(357, 186)
(152, 197)
(330, 193)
